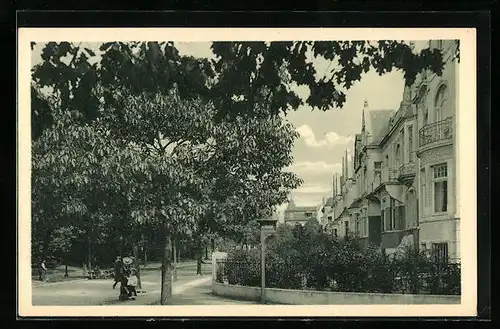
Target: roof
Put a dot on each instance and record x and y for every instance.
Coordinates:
(291, 205)
(329, 202)
(378, 124)
(301, 209)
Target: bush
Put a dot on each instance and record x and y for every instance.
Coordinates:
(243, 267)
(304, 258)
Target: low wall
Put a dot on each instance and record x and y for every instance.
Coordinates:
(309, 297)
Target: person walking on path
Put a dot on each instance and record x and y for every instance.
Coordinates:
(42, 271)
(118, 271)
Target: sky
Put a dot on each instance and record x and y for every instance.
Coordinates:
(324, 136)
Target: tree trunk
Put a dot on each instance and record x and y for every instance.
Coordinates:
(206, 253)
(175, 259)
(179, 253)
(137, 266)
(145, 256)
(198, 264)
(66, 274)
(166, 274)
(199, 256)
(89, 255)
(212, 241)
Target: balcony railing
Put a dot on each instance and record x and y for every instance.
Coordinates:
(407, 169)
(393, 174)
(437, 131)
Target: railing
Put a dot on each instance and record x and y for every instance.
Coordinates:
(437, 131)
(393, 174)
(407, 169)
(390, 175)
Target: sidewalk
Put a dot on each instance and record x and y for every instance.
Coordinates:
(179, 288)
(100, 292)
(201, 294)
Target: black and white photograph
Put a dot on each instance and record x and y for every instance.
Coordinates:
(223, 171)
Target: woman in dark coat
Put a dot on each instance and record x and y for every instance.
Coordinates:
(118, 271)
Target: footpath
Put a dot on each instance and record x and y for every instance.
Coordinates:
(188, 289)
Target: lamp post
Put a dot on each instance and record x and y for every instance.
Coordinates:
(267, 228)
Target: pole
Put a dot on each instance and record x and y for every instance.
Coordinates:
(263, 267)
(174, 247)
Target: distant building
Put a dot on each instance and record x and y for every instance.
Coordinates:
(299, 215)
(326, 212)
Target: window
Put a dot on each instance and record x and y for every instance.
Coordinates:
(441, 102)
(440, 252)
(308, 214)
(378, 167)
(357, 225)
(329, 218)
(398, 155)
(440, 184)
(335, 232)
(389, 216)
(365, 182)
(410, 144)
(346, 225)
(402, 139)
(392, 225)
(365, 226)
(423, 190)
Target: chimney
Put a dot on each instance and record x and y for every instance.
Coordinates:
(346, 165)
(343, 173)
(333, 186)
(363, 121)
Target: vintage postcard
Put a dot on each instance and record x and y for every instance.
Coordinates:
(178, 172)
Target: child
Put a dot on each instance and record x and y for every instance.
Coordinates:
(132, 283)
(124, 292)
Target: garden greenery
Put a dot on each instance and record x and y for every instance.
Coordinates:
(306, 258)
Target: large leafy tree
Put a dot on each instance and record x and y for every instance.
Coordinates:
(205, 174)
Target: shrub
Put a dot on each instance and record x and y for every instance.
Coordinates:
(243, 267)
(303, 258)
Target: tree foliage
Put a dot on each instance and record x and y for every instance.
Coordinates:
(265, 72)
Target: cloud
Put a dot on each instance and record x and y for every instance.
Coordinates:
(315, 167)
(331, 138)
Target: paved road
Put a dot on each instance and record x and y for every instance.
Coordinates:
(189, 289)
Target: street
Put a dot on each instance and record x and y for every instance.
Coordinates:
(189, 289)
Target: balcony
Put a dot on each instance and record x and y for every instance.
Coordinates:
(435, 132)
(393, 174)
(407, 173)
